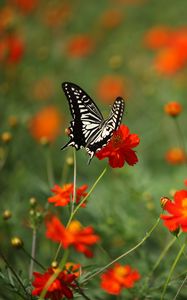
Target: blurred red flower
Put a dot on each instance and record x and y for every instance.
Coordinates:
(63, 195)
(177, 210)
(110, 87)
(61, 286)
(11, 49)
(175, 156)
(80, 46)
(75, 235)
(173, 108)
(46, 124)
(157, 37)
(119, 149)
(172, 55)
(56, 15)
(26, 6)
(117, 278)
(169, 60)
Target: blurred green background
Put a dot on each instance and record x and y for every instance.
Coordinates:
(110, 52)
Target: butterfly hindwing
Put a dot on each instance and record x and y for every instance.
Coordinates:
(88, 129)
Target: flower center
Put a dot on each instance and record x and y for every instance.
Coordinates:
(184, 203)
(116, 140)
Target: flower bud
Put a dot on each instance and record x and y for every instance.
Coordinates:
(16, 242)
(163, 201)
(44, 141)
(69, 161)
(6, 137)
(173, 109)
(54, 264)
(33, 202)
(7, 214)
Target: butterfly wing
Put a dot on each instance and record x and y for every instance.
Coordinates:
(105, 132)
(87, 118)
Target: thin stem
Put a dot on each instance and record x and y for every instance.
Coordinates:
(180, 137)
(14, 273)
(157, 263)
(172, 269)
(78, 206)
(179, 289)
(37, 262)
(74, 181)
(85, 198)
(126, 253)
(33, 252)
(49, 167)
(55, 275)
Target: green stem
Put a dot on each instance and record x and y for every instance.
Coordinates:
(171, 270)
(55, 275)
(74, 181)
(126, 253)
(179, 289)
(49, 167)
(85, 198)
(33, 251)
(180, 137)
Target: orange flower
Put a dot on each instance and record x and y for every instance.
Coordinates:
(70, 267)
(157, 37)
(175, 156)
(169, 61)
(177, 210)
(46, 124)
(110, 87)
(80, 46)
(173, 108)
(64, 194)
(75, 235)
(117, 278)
(111, 19)
(7, 17)
(26, 6)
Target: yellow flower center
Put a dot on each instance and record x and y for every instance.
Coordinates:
(184, 203)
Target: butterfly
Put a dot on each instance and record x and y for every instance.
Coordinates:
(89, 129)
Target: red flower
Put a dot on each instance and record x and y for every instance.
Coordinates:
(173, 108)
(11, 49)
(64, 194)
(114, 280)
(80, 46)
(75, 235)
(60, 287)
(177, 210)
(119, 149)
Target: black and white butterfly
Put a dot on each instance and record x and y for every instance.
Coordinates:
(89, 129)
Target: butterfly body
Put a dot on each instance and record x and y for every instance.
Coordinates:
(89, 129)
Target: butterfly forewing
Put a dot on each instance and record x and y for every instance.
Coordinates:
(88, 128)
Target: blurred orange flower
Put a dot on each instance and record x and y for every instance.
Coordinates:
(73, 268)
(80, 46)
(117, 278)
(175, 156)
(111, 19)
(168, 61)
(43, 89)
(11, 49)
(173, 108)
(63, 195)
(46, 124)
(26, 6)
(157, 37)
(7, 17)
(75, 235)
(172, 55)
(110, 87)
(177, 210)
